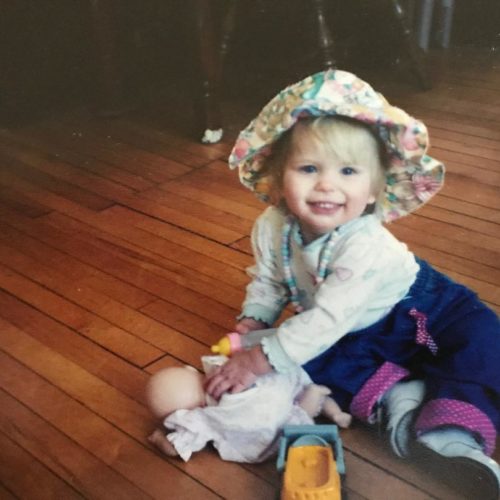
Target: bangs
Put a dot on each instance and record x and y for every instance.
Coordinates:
(348, 140)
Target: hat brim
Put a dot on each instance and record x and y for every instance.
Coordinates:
(412, 177)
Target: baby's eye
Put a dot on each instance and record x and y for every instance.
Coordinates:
(308, 169)
(348, 170)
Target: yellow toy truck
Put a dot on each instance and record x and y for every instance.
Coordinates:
(311, 459)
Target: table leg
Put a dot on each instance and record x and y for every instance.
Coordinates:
(207, 106)
(111, 82)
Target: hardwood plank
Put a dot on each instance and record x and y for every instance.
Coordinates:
(470, 128)
(178, 270)
(484, 154)
(483, 248)
(462, 206)
(244, 245)
(164, 362)
(52, 184)
(97, 319)
(463, 137)
(216, 178)
(196, 208)
(172, 145)
(449, 262)
(443, 101)
(60, 454)
(80, 350)
(192, 222)
(83, 160)
(66, 173)
(213, 200)
(113, 323)
(69, 266)
(107, 149)
(467, 260)
(113, 443)
(26, 477)
(5, 494)
(220, 299)
(460, 187)
(464, 221)
(489, 293)
(360, 441)
(184, 321)
(111, 227)
(16, 201)
(371, 482)
(136, 275)
(183, 238)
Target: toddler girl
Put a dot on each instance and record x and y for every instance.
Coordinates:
(379, 327)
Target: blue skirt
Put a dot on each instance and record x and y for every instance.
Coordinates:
(440, 332)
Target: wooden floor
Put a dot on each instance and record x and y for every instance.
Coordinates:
(123, 246)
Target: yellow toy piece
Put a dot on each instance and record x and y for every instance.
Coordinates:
(222, 347)
(311, 470)
(311, 473)
(234, 342)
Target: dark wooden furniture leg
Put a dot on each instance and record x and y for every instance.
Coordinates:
(414, 52)
(111, 89)
(324, 35)
(207, 105)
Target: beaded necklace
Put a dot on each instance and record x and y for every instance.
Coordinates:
(286, 251)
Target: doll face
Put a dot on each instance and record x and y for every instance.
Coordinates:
(320, 189)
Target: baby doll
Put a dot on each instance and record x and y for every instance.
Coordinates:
(243, 427)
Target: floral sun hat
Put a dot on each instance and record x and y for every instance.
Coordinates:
(412, 178)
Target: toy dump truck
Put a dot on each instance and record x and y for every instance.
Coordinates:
(311, 459)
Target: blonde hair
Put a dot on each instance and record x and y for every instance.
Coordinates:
(348, 140)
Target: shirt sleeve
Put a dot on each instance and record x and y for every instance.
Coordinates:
(266, 295)
(359, 271)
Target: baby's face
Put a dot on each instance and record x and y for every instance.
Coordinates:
(320, 190)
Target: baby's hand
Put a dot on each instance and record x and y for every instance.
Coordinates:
(249, 325)
(238, 373)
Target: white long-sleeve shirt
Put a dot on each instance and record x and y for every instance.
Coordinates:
(369, 272)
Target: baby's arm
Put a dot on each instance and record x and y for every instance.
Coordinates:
(246, 325)
(266, 294)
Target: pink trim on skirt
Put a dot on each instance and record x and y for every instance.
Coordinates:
(378, 384)
(443, 412)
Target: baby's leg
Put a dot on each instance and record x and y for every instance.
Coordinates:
(316, 400)
(399, 407)
(159, 439)
(333, 411)
(460, 419)
(312, 398)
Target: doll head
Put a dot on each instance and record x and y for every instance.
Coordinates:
(174, 388)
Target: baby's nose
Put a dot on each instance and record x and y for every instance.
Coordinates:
(326, 183)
